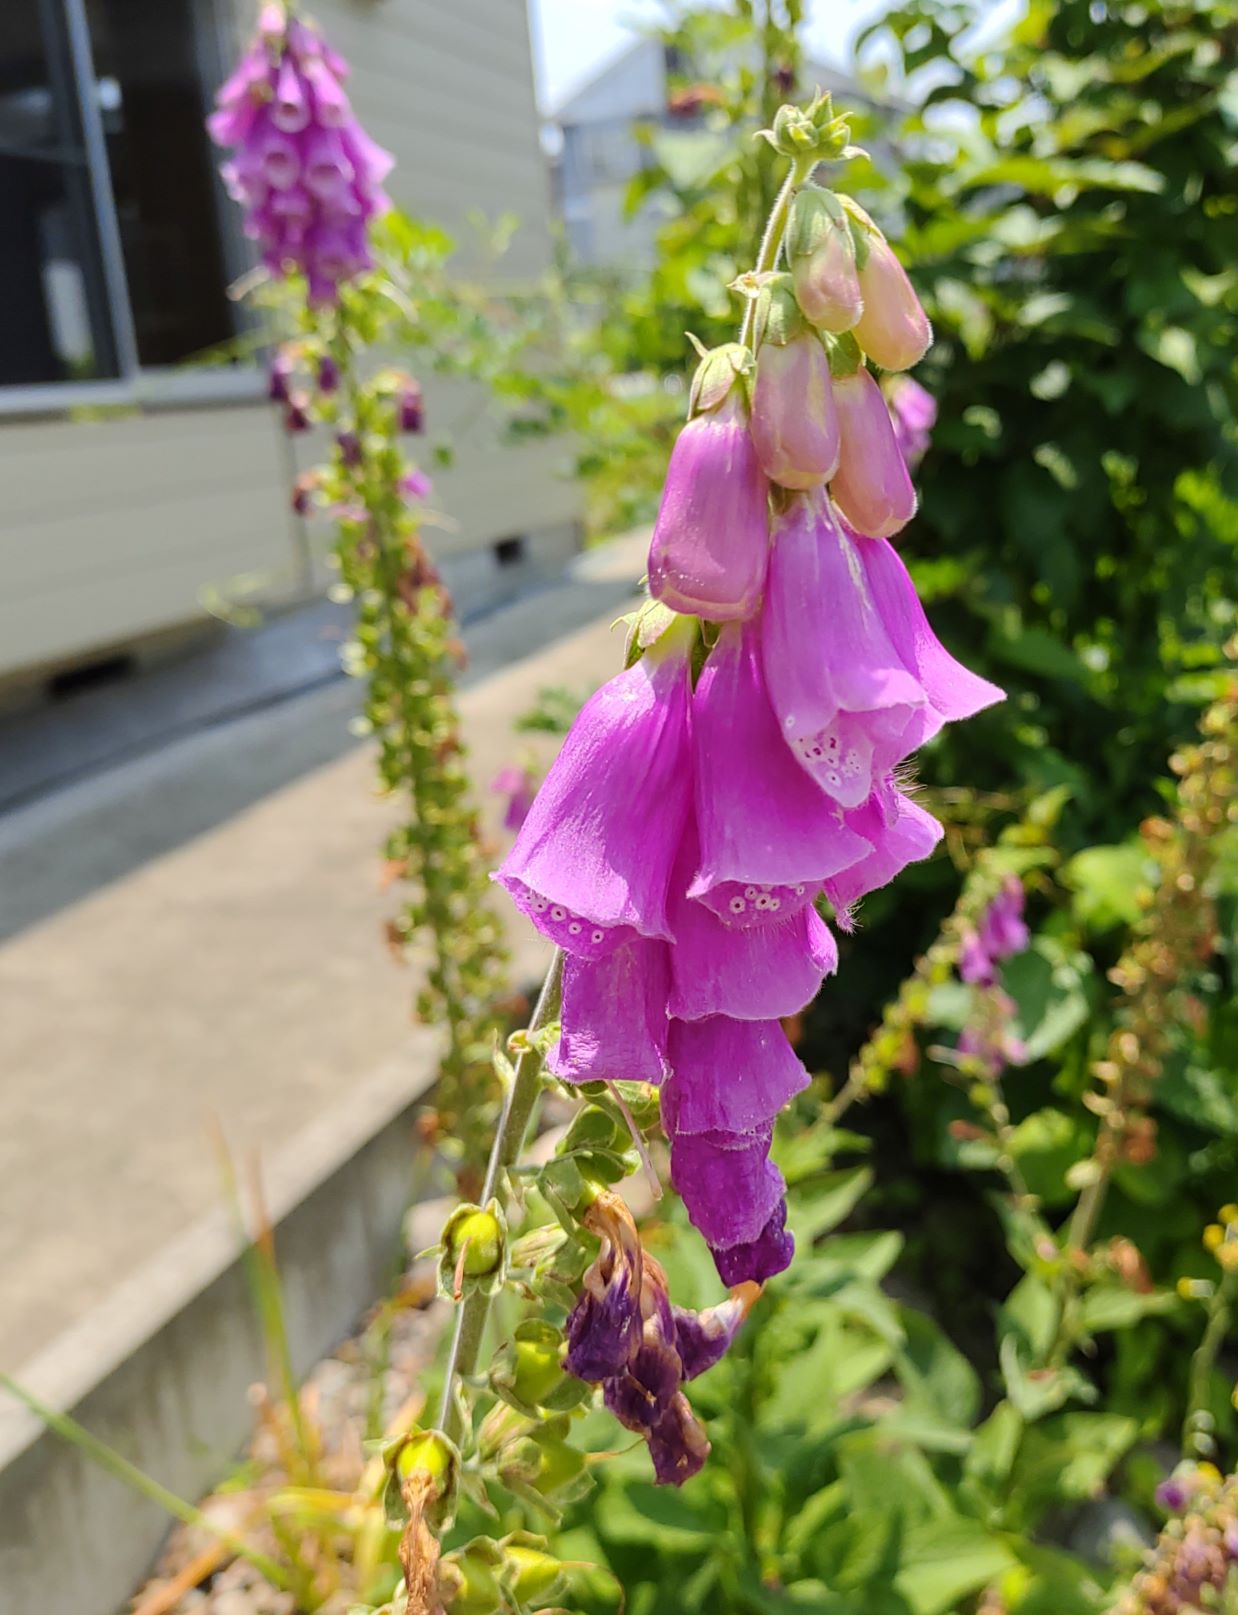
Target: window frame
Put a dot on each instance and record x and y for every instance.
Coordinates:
(137, 386)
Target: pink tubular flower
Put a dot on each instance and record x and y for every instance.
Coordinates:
(613, 1023)
(952, 691)
(735, 1196)
(872, 489)
(592, 862)
(755, 973)
(843, 699)
(794, 422)
(899, 831)
(711, 539)
(728, 1075)
(518, 785)
(769, 835)
(307, 175)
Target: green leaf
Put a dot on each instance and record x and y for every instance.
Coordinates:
(1068, 1457)
(937, 1379)
(1109, 1306)
(817, 1207)
(944, 1563)
(1108, 883)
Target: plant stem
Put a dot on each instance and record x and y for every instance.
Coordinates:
(518, 1104)
(775, 229)
(1196, 1442)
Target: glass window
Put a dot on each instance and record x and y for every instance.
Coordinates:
(54, 323)
(154, 70)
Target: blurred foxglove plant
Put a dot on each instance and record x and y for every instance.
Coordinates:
(309, 179)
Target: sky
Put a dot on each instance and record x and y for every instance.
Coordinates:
(573, 38)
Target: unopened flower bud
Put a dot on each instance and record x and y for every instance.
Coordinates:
(303, 491)
(473, 1574)
(278, 376)
(296, 414)
(410, 408)
(534, 1573)
(821, 252)
(794, 422)
(328, 374)
(710, 543)
(893, 329)
(872, 488)
(349, 445)
(472, 1252)
(529, 1374)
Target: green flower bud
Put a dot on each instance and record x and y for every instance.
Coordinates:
(473, 1251)
(532, 1573)
(718, 371)
(425, 1459)
(473, 1575)
(528, 1373)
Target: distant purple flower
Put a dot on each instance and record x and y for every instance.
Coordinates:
(989, 1035)
(913, 410)
(305, 172)
(1001, 934)
(518, 785)
(328, 374)
(416, 485)
(349, 445)
(279, 376)
(410, 408)
(296, 414)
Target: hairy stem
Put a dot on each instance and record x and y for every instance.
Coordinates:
(518, 1106)
(775, 229)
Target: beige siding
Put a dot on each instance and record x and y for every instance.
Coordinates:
(112, 529)
(447, 86)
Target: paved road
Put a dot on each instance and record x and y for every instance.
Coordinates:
(191, 929)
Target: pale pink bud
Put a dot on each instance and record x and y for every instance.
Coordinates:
(871, 489)
(710, 543)
(893, 330)
(821, 252)
(794, 424)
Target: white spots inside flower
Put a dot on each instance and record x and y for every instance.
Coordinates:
(597, 936)
(798, 890)
(558, 914)
(575, 928)
(737, 904)
(775, 903)
(538, 903)
(750, 892)
(824, 755)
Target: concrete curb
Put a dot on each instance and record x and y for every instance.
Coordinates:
(161, 1370)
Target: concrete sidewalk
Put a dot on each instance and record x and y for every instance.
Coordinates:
(197, 936)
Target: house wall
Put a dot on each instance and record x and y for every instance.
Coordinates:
(112, 528)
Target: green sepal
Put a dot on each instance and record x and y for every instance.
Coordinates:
(716, 374)
(428, 1452)
(811, 131)
(528, 1372)
(777, 318)
(815, 212)
(844, 353)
